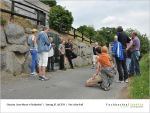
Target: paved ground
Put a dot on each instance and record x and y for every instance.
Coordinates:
(62, 85)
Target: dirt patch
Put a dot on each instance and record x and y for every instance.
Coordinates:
(124, 93)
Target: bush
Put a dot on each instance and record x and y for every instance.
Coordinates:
(139, 86)
(3, 21)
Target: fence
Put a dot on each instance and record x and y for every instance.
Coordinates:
(41, 18)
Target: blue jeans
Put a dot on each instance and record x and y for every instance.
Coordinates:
(135, 68)
(34, 61)
(128, 63)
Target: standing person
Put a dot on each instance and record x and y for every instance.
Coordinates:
(62, 55)
(43, 49)
(128, 58)
(123, 39)
(117, 51)
(68, 48)
(50, 65)
(32, 42)
(135, 54)
(94, 54)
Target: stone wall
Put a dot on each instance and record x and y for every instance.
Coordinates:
(15, 56)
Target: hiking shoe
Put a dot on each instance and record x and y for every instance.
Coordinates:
(126, 81)
(43, 78)
(120, 81)
(33, 74)
(107, 89)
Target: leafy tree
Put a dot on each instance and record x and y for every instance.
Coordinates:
(88, 31)
(60, 19)
(51, 3)
(105, 35)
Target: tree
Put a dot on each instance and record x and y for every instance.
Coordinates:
(60, 19)
(51, 3)
(88, 31)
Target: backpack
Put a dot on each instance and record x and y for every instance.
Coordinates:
(117, 50)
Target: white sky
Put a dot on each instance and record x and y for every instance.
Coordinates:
(110, 13)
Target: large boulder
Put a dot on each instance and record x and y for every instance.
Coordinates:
(11, 63)
(18, 48)
(2, 60)
(27, 64)
(2, 38)
(15, 34)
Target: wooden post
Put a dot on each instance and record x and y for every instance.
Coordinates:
(74, 33)
(12, 10)
(90, 40)
(82, 37)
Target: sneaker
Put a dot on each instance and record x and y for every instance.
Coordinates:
(126, 81)
(43, 78)
(33, 74)
(107, 89)
(120, 81)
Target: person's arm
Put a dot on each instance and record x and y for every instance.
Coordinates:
(98, 67)
(33, 40)
(130, 45)
(46, 39)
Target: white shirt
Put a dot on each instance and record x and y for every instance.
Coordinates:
(51, 52)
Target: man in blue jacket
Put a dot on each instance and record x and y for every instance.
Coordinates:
(118, 53)
(43, 49)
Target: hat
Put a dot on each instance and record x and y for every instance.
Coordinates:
(34, 30)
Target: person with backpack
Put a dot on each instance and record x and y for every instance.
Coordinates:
(43, 49)
(32, 43)
(117, 51)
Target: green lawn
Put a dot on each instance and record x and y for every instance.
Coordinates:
(139, 86)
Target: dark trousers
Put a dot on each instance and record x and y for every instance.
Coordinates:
(122, 69)
(50, 64)
(70, 60)
(61, 62)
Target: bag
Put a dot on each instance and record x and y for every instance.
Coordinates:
(73, 55)
(93, 81)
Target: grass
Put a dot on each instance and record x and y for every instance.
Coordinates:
(139, 86)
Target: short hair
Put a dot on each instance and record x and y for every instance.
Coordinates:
(98, 50)
(45, 28)
(104, 49)
(135, 33)
(119, 29)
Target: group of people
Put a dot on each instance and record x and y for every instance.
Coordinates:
(125, 54)
(42, 53)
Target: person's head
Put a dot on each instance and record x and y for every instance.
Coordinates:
(34, 31)
(46, 29)
(115, 38)
(63, 41)
(119, 29)
(133, 34)
(98, 50)
(69, 40)
(51, 39)
(96, 43)
(104, 49)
